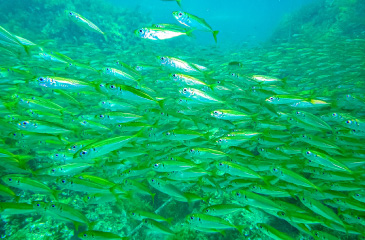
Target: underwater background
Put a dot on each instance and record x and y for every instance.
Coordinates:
(182, 119)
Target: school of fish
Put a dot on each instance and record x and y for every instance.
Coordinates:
(242, 144)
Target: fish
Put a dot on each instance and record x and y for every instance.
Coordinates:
(63, 84)
(103, 147)
(10, 208)
(325, 160)
(83, 22)
(200, 221)
(320, 209)
(26, 183)
(223, 209)
(255, 200)
(157, 227)
(11, 39)
(161, 33)
(140, 215)
(194, 22)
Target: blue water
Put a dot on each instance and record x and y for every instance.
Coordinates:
(238, 21)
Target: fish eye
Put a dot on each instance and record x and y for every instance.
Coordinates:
(112, 86)
(53, 170)
(274, 169)
(334, 114)
(38, 204)
(156, 165)
(180, 14)
(174, 75)
(71, 13)
(53, 205)
(133, 214)
(83, 152)
(185, 89)
(168, 133)
(162, 58)
(41, 79)
(232, 74)
(101, 116)
(308, 152)
(238, 194)
(191, 150)
(140, 30)
(63, 181)
(107, 69)
(220, 164)
(348, 121)
(271, 98)
(85, 234)
(10, 179)
(25, 123)
(191, 217)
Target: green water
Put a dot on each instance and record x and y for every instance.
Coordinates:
(108, 134)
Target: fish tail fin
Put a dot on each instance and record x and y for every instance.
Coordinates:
(55, 194)
(190, 33)
(179, 3)
(212, 86)
(215, 33)
(26, 49)
(105, 37)
(91, 225)
(266, 180)
(206, 199)
(77, 225)
(240, 228)
(161, 103)
(169, 220)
